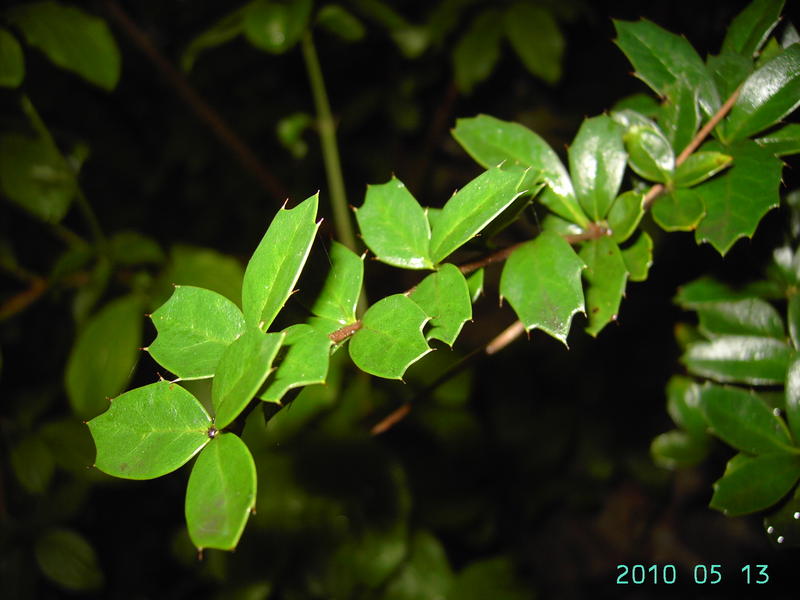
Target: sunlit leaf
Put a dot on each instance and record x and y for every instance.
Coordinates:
(678, 210)
(536, 38)
(740, 359)
(477, 51)
(624, 215)
(755, 484)
(304, 363)
(276, 27)
(638, 257)
(750, 28)
(12, 61)
(605, 276)
(750, 316)
(445, 298)
(783, 142)
(67, 559)
(339, 295)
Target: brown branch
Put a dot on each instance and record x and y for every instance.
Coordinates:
(22, 300)
(202, 109)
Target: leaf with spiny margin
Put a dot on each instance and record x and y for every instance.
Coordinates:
(471, 208)
(749, 316)
(149, 431)
(339, 295)
(597, 160)
(650, 153)
(677, 449)
(475, 285)
(542, 282)
(605, 276)
(624, 215)
(700, 166)
(755, 483)
(390, 338)
(729, 70)
(444, 296)
(305, 362)
(242, 369)
(536, 38)
(678, 210)
(680, 117)
(477, 50)
(491, 142)
(12, 61)
(737, 199)
(793, 398)
(221, 493)
(394, 226)
(750, 28)
(638, 257)
(194, 327)
(104, 355)
(740, 359)
(662, 58)
(783, 142)
(275, 266)
(684, 406)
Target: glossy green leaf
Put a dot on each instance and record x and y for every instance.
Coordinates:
(426, 572)
(793, 318)
(705, 290)
(471, 208)
(33, 464)
(12, 61)
(221, 493)
(750, 316)
(740, 359)
(677, 449)
(104, 355)
(751, 27)
(242, 369)
(542, 282)
(340, 22)
(276, 27)
(390, 338)
(339, 295)
(71, 38)
(650, 153)
(67, 559)
(729, 70)
(597, 162)
(477, 51)
(769, 94)
(444, 296)
(678, 210)
(475, 285)
(149, 431)
(793, 399)
(743, 420)
(491, 142)
(755, 484)
(736, 199)
(194, 327)
(624, 215)
(680, 117)
(536, 38)
(305, 362)
(700, 166)
(393, 225)
(685, 407)
(275, 266)
(638, 257)
(490, 578)
(662, 58)
(35, 177)
(783, 142)
(224, 30)
(605, 276)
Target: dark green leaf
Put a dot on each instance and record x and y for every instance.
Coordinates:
(489, 578)
(680, 117)
(638, 257)
(783, 142)
(221, 493)
(751, 27)
(650, 153)
(426, 572)
(224, 30)
(750, 316)
(478, 50)
(339, 295)
(12, 62)
(755, 484)
(33, 464)
(783, 525)
(149, 431)
(536, 38)
(740, 359)
(134, 248)
(276, 27)
(794, 320)
(705, 290)
(605, 276)
(678, 210)
(290, 131)
(684, 406)
(641, 103)
(70, 443)
(625, 214)
(70, 38)
(677, 449)
(700, 166)
(201, 267)
(445, 298)
(340, 22)
(793, 399)
(475, 285)
(67, 559)
(542, 282)
(729, 70)
(305, 362)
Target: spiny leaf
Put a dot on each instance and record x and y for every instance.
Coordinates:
(751, 27)
(305, 362)
(445, 298)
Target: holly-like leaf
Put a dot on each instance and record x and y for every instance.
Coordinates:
(12, 61)
(276, 27)
(680, 117)
(624, 215)
(221, 493)
(149, 431)
(104, 355)
(339, 295)
(536, 38)
(793, 399)
(638, 257)
(390, 338)
(194, 327)
(275, 266)
(783, 142)
(445, 298)
(685, 407)
(700, 166)
(679, 210)
(677, 449)
(68, 560)
(394, 226)
(750, 316)
(542, 282)
(756, 483)
(70, 38)
(305, 362)
(650, 153)
(605, 276)
(477, 51)
(740, 359)
(751, 27)
(242, 369)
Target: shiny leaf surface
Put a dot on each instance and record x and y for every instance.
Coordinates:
(740, 359)
(605, 276)
(625, 214)
(755, 484)
(304, 363)
(339, 295)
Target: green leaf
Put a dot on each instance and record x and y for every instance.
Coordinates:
(339, 295)
(33, 464)
(70, 444)
(390, 338)
(305, 362)
(471, 208)
(536, 38)
(699, 292)
(677, 449)
(340, 22)
(475, 285)
(12, 61)
(729, 70)
(67, 559)
(289, 131)
(793, 399)
(224, 30)
(276, 27)
(750, 316)
(426, 572)
(491, 141)
(700, 166)
(793, 318)
(194, 327)
(394, 226)
(769, 94)
(680, 117)
(740, 359)
(275, 266)
(678, 210)
(489, 578)
(445, 298)
(70, 38)
(783, 142)
(477, 51)
(35, 176)
(650, 153)
(605, 276)
(736, 200)
(149, 431)
(242, 369)
(597, 161)
(542, 282)
(221, 493)
(133, 248)
(640, 103)
(751, 27)
(624, 215)
(684, 406)
(755, 484)
(662, 58)
(743, 420)
(638, 257)
(104, 355)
